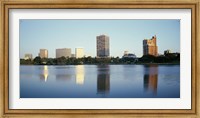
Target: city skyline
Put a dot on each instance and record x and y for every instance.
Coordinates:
(124, 35)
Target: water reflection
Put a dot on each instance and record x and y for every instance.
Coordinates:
(80, 73)
(151, 79)
(63, 77)
(103, 79)
(100, 81)
(63, 73)
(44, 73)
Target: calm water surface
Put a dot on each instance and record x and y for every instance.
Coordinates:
(100, 81)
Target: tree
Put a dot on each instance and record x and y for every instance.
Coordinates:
(148, 58)
(26, 62)
(61, 60)
(37, 60)
(50, 61)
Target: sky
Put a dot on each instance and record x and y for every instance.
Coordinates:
(125, 35)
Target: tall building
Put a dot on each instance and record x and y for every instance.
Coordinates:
(28, 56)
(79, 52)
(103, 49)
(43, 53)
(150, 46)
(63, 52)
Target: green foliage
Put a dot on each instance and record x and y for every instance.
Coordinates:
(51, 61)
(148, 59)
(127, 60)
(61, 61)
(37, 60)
(169, 58)
(27, 62)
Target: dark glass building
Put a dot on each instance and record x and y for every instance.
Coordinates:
(103, 48)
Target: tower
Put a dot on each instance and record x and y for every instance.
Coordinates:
(43, 53)
(103, 49)
(79, 52)
(150, 46)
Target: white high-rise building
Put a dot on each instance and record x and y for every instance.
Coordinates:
(43, 53)
(79, 52)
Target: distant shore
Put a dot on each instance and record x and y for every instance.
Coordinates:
(109, 64)
(170, 59)
(157, 64)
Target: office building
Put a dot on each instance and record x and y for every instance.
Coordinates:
(103, 49)
(28, 56)
(79, 52)
(150, 46)
(43, 53)
(63, 52)
(129, 55)
(125, 53)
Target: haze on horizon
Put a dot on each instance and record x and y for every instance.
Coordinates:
(125, 35)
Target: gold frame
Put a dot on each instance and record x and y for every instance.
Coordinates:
(148, 4)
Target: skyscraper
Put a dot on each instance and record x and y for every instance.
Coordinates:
(150, 46)
(43, 53)
(63, 52)
(79, 52)
(103, 49)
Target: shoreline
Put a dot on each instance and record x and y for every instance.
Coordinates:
(107, 64)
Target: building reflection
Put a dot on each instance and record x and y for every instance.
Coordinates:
(80, 74)
(151, 79)
(103, 79)
(63, 77)
(44, 73)
(63, 73)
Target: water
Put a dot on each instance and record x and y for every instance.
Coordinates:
(100, 81)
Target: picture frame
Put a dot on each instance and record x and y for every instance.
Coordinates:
(99, 4)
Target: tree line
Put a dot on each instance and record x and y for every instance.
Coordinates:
(168, 58)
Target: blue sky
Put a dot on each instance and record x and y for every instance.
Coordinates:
(124, 35)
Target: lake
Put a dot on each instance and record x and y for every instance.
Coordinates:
(100, 81)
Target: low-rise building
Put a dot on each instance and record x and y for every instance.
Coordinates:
(63, 52)
(28, 56)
